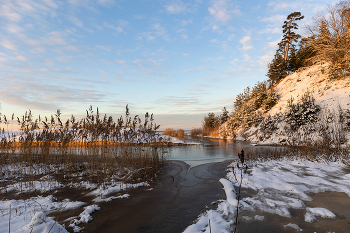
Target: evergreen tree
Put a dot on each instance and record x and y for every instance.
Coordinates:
(224, 116)
(277, 69)
(285, 58)
(289, 36)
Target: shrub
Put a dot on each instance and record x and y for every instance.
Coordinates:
(303, 112)
(196, 131)
(180, 133)
(170, 132)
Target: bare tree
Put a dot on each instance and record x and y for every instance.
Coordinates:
(330, 37)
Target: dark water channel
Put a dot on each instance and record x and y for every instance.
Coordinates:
(186, 188)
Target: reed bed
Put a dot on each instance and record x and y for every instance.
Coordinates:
(95, 150)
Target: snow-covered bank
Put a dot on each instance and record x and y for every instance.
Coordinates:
(309, 107)
(280, 186)
(30, 215)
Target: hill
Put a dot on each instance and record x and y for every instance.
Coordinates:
(310, 107)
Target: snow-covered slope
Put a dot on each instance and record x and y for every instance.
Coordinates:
(327, 93)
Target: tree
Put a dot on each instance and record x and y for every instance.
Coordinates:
(277, 69)
(224, 115)
(285, 58)
(210, 123)
(289, 36)
(330, 38)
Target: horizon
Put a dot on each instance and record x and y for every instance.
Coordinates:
(176, 59)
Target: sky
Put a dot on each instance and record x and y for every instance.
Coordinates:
(177, 59)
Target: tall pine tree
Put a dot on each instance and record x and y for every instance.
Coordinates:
(285, 58)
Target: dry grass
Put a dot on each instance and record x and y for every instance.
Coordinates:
(94, 149)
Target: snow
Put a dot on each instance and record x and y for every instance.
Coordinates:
(328, 93)
(40, 223)
(311, 214)
(230, 192)
(258, 217)
(104, 190)
(179, 141)
(217, 223)
(294, 226)
(23, 213)
(84, 217)
(281, 185)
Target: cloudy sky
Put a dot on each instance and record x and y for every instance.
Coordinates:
(177, 59)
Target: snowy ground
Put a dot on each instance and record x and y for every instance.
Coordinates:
(280, 186)
(30, 215)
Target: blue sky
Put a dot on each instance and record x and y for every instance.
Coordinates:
(177, 59)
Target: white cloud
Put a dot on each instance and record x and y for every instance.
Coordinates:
(185, 22)
(263, 60)
(8, 44)
(48, 62)
(147, 35)
(14, 28)
(176, 7)
(7, 12)
(106, 2)
(230, 37)
(245, 41)
(121, 62)
(275, 30)
(181, 30)
(234, 61)
(20, 57)
(213, 59)
(215, 41)
(215, 28)
(274, 19)
(184, 36)
(160, 31)
(138, 62)
(77, 22)
(118, 29)
(221, 10)
(273, 44)
(105, 48)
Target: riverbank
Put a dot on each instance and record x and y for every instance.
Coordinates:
(286, 195)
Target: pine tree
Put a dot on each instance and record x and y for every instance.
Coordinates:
(277, 69)
(289, 36)
(285, 58)
(224, 116)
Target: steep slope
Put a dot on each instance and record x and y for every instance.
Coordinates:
(329, 95)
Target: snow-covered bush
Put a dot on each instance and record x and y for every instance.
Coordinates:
(270, 100)
(344, 118)
(303, 112)
(270, 123)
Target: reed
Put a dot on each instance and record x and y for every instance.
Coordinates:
(94, 149)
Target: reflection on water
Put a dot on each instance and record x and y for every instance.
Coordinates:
(215, 150)
(212, 150)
